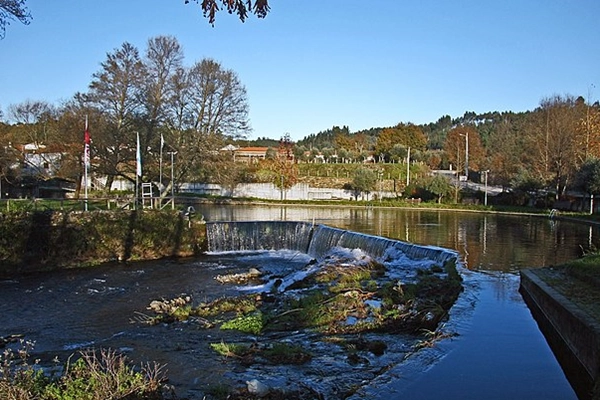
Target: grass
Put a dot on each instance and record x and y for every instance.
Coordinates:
(578, 281)
(94, 374)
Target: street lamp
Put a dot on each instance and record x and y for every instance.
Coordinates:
(466, 135)
(172, 153)
(485, 195)
(408, 167)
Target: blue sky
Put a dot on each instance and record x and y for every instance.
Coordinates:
(313, 64)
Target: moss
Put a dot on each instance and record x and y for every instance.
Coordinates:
(43, 240)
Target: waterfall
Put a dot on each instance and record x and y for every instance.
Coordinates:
(258, 235)
(316, 241)
(325, 237)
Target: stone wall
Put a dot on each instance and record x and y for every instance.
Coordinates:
(33, 241)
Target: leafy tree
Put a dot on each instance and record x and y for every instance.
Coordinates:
(455, 147)
(588, 179)
(507, 146)
(242, 8)
(407, 135)
(440, 187)
(527, 182)
(11, 10)
(553, 152)
(71, 128)
(364, 181)
(282, 173)
(436, 132)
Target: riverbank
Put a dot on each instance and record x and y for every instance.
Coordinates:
(565, 301)
(49, 240)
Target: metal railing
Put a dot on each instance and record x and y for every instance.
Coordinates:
(90, 204)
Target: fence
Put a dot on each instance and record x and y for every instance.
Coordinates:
(91, 204)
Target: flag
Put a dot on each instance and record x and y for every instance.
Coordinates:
(138, 157)
(86, 147)
(162, 142)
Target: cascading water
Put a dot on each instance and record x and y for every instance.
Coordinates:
(315, 240)
(258, 235)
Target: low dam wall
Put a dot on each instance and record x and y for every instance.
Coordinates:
(314, 240)
(573, 336)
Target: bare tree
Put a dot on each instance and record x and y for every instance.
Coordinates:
(163, 60)
(115, 91)
(552, 141)
(208, 105)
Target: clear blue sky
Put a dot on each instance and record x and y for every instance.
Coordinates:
(312, 64)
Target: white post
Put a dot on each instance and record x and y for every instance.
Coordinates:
(408, 167)
(485, 201)
(467, 155)
(86, 162)
(172, 153)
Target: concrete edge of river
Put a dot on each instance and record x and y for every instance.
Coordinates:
(573, 335)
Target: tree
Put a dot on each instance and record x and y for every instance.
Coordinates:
(116, 91)
(33, 117)
(456, 147)
(162, 61)
(364, 181)
(407, 135)
(507, 146)
(11, 10)
(260, 8)
(588, 179)
(553, 145)
(440, 187)
(208, 105)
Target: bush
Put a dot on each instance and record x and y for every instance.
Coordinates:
(96, 375)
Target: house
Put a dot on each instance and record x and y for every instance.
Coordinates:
(39, 160)
(250, 155)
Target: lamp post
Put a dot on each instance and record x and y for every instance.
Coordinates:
(408, 167)
(485, 195)
(466, 135)
(172, 153)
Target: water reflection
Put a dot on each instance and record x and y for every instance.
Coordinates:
(486, 242)
(500, 352)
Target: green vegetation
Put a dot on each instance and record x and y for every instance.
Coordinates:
(252, 323)
(577, 280)
(48, 239)
(277, 353)
(101, 374)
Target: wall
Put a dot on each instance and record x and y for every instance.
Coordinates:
(573, 336)
(33, 241)
(300, 191)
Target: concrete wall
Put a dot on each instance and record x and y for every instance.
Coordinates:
(572, 334)
(300, 191)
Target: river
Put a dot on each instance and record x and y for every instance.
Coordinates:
(499, 352)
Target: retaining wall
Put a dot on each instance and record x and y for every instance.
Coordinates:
(573, 335)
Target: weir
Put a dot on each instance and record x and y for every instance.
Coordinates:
(315, 240)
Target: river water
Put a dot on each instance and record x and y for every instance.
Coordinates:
(498, 351)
